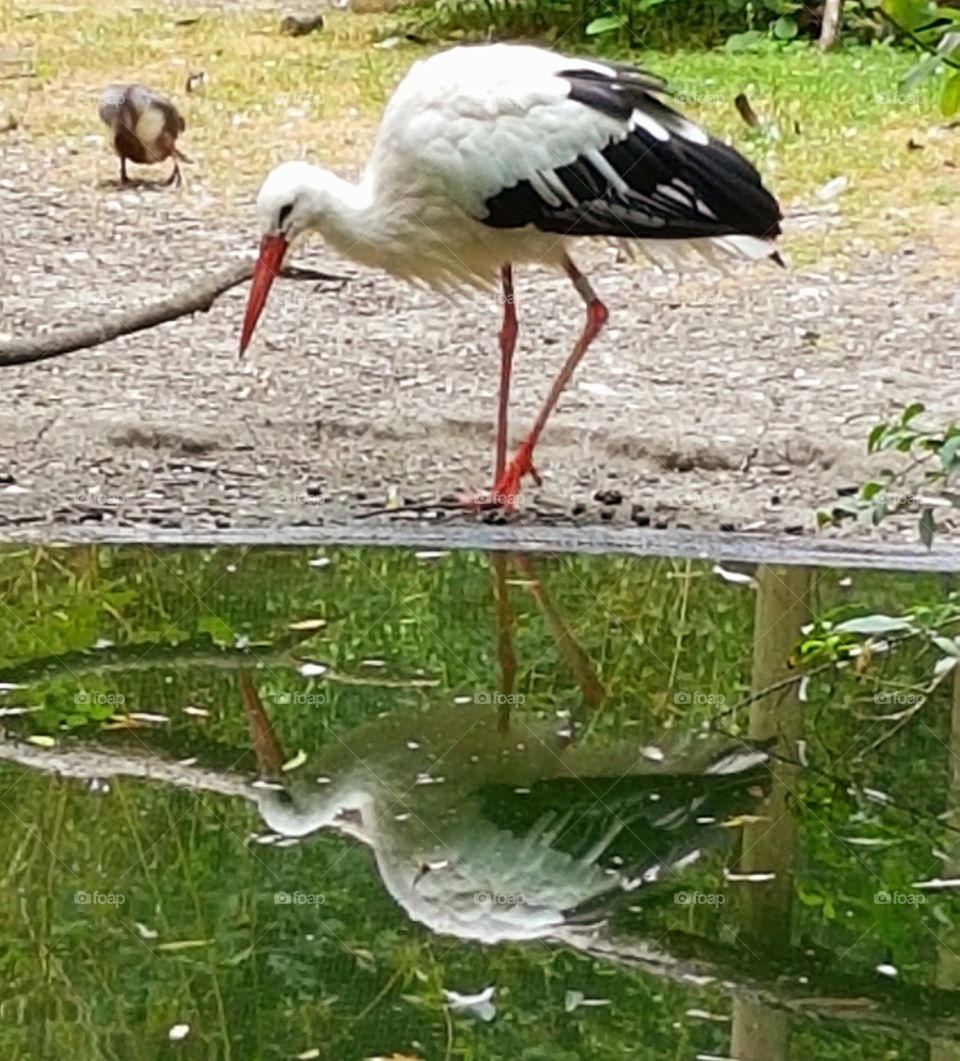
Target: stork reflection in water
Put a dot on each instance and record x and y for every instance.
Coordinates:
(497, 832)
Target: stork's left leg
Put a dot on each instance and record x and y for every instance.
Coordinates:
(507, 487)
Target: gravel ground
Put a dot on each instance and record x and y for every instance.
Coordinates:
(738, 401)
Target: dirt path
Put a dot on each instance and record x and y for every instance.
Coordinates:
(739, 401)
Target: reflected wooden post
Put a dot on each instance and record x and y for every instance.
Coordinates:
(760, 1033)
(948, 963)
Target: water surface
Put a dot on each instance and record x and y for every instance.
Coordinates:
(350, 803)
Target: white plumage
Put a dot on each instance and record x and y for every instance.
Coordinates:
(501, 154)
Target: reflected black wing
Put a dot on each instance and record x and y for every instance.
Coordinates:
(635, 824)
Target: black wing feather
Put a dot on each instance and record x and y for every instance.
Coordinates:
(662, 815)
(678, 188)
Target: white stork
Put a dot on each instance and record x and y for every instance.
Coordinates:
(493, 155)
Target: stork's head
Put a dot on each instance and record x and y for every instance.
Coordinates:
(299, 809)
(295, 805)
(290, 201)
(287, 200)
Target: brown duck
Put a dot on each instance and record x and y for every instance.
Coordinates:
(145, 127)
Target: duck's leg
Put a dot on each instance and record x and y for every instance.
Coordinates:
(175, 178)
(507, 488)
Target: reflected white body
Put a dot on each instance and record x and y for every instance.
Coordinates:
(464, 878)
(414, 803)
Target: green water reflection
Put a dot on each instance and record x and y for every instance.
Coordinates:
(277, 803)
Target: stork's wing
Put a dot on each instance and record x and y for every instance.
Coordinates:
(520, 136)
(638, 821)
(658, 177)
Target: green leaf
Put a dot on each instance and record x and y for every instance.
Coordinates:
(910, 14)
(785, 28)
(870, 490)
(913, 410)
(218, 630)
(873, 439)
(751, 41)
(922, 70)
(879, 512)
(808, 898)
(949, 452)
(604, 24)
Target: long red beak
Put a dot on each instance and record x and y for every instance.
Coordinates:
(272, 251)
(266, 746)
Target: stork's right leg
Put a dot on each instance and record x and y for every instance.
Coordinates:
(124, 179)
(508, 341)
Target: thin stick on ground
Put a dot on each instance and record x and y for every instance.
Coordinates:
(197, 299)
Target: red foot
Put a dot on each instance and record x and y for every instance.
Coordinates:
(506, 491)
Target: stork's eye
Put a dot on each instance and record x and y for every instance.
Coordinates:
(284, 214)
(284, 796)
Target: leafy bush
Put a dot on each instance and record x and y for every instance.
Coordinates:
(935, 29)
(926, 483)
(645, 23)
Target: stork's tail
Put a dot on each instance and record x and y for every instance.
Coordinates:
(717, 251)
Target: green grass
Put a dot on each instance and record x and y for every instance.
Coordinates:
(838, 115)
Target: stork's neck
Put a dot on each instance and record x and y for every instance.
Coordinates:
(343, 213)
